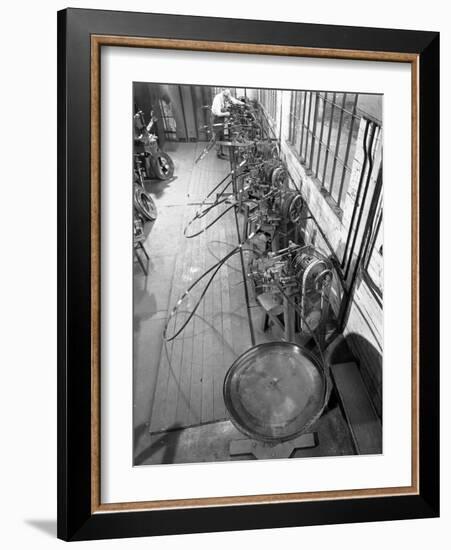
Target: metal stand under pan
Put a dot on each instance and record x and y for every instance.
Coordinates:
(274, 393)
(262, 450)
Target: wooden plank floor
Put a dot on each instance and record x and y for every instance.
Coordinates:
(180, 385)
(191, 368)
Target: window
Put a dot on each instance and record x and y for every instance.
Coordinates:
(295, 110)
(268, 100)
(169, 124)
(323, 130)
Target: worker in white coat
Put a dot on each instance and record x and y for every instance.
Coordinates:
(220, 110)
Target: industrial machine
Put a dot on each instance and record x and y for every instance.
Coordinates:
(144, 205)
(144, 210)
(157, 163)
(242, 126)
(299, 275)
(274, 392)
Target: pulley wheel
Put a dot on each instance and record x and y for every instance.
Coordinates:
(269, 169)
(275, 391)
(275, 152)
(279, 177)
(144, 204)
(292, 206)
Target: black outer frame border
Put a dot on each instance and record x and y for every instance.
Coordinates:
(75, 521)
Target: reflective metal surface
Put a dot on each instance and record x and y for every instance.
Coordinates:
(275, 391)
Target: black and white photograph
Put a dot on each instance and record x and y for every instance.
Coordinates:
(258, 273)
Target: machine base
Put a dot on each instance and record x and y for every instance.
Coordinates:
(262, 450)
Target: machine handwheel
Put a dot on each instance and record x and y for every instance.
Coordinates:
(295, 208)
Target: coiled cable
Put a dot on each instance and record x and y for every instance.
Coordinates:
(213, 270)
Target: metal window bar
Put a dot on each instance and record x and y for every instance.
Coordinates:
(368, 142)
(301, 123)
(313, 137)
(320, 149)
(333, 101)
(313, 142)
(297, 111)
(304, 114)
(328, 140)
(292, 117)
(370, 246)
(337, 144)
(373, 239)
(304, 102)
(332, 151)
(348, 148)
(307, 127)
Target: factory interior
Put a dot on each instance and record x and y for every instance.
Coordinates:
(258, 274)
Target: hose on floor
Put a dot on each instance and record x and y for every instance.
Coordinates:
(213, 270)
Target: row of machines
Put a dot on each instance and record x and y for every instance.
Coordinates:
(277, 390)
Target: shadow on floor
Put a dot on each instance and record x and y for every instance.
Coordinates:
(158, 187)
(145, 307)
(165, 441)
(371, 357)
(46, 526)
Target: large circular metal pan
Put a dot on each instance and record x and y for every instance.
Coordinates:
(275, 391)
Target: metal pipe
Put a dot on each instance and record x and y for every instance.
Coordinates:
(363, 247)
(368, 152)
